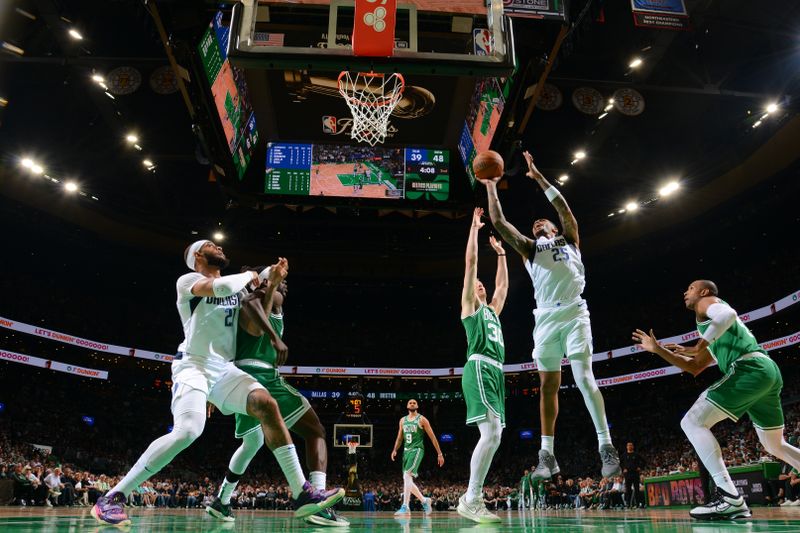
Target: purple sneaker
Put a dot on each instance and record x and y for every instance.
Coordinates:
(108, 510)
(312, 501)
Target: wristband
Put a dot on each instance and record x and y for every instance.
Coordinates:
(229, 285)
(552, 193)
(501, 255)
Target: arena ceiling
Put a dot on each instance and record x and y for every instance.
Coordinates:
(704, 91)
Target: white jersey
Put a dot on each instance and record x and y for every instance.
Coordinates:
(209, 322)
(556, 271)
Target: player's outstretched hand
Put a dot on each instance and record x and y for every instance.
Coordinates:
(279, 270)
(476, 218)
(394, 454)
(497, 245)
(645, 341)
(533, 172)
(440, 460)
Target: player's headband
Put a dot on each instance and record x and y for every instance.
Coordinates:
(193, 249)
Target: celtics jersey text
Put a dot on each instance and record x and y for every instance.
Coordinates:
(249, 347)
(556, 270)
(484, 335)
(412, 433)
(731, 345)
(209, 322)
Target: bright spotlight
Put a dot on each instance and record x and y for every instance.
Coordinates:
(37, 169)
(75, 34)
(631, 206)
(669, 188)
(132, 138)
(71, 186)
(608, 108)
(27, 163)
(219, 236)
(636, 63)
(580, 154)
(757, 123)
(147, 163)
(602, 116)
(771, 108)
(563, 177)
(98, 78)
(610, 100)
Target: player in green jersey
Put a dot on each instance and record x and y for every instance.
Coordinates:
(525, 492)
(483, 381)
(410, 435)
(751, 384)
(260, 351)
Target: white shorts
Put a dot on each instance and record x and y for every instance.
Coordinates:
(223, 384)
(561, 332)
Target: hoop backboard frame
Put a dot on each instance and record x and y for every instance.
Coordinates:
(339, 427)
(243, 51)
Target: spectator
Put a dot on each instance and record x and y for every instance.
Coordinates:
(23, 488)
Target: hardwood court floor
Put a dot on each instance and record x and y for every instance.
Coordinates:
(58, 520)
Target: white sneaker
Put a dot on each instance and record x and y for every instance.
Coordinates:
(723, 507)
(795, 502)
(547, 467)
(477, 511)
(788, 503)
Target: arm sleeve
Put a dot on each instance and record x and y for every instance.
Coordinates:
(228, 285)
(722, 317)
(185, 284)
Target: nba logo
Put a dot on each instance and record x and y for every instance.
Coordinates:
(329, 124)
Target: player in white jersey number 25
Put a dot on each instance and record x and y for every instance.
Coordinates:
(562, 327)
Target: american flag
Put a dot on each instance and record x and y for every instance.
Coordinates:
(268, 39)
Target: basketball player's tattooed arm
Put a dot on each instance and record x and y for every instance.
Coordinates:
(692, 364)
(399, 440)
(257, 305)
(468, 299)
(501, 277)
(429, 430)
(568, 221)
(510, 234)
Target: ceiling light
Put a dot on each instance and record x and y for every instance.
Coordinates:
(757, 123)
(637, 61)
(563, 177)
(132, 138)
(580, 154)
(148, 163)
(611, 214)
(620, 211)
(631, 206)
(110, 95)
(37, 169)
(608, 108)
(601, 117)
(27, 163)
(75, 34)
(219, 236)
(98, 78)
(669, 188)
(771, 108)
(610, 100)
(71, 186)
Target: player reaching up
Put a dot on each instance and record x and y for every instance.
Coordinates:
(752, 384)
(483, 381)
(410, 435)
(562, 325)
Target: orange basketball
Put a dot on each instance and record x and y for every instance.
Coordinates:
(488, 165)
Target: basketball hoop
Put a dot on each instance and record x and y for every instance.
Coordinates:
(351, 447)
(371, 97)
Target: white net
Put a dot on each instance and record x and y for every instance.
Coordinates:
(352, 446)
(371, 98)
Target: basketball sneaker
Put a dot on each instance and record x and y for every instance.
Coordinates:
(724, 506)
(404, 510)
(547, 467)
(311, 501)
(610, 458)
(327, 518)
(476, 511)
(109, 510)
(426, 506)
(217, 509)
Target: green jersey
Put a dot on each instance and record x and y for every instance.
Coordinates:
(260, 348)
(412, 433)
(525, 482)
(484, 335)
(731, 345)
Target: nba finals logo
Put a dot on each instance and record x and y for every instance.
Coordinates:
(329, 124)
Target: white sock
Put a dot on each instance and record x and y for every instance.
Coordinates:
(290, 464)
(547, 442)
(774, 443)
(226, 488)
(318, 479)
(482, 456)
(696, 424)
(603, 438)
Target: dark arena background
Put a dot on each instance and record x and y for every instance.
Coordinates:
(131, 128)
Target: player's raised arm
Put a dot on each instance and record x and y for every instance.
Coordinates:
(471, 265)
(399, 440)
(693, 365)
(500, 278)
(568, 221)
(510, 234)
(429, 430)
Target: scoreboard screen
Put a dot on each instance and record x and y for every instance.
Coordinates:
(357, 171)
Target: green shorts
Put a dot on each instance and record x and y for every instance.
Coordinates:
(291, 403)
(753, 386)
(484, 387)
(412, 458)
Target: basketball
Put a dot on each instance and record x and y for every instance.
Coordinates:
(488, 165)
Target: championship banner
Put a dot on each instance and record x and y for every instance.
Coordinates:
(662, 14)
(29, 360)
(536, 9)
